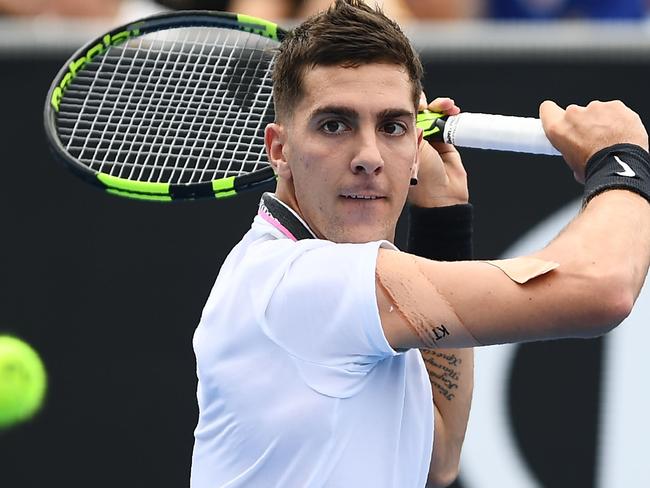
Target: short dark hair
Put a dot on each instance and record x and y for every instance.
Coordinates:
(349, 34)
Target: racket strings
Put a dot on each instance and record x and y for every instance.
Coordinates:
(116, 132)
(183, 106)
(162, 159)
(235, 131)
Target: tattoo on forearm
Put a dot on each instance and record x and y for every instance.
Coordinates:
(444, 372)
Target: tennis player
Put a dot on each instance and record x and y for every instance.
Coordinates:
(327, 357)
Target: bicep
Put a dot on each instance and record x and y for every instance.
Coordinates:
(413, 311)
(425, 303)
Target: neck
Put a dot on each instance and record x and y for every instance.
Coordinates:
(285, 192)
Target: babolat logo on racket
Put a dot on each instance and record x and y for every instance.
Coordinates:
(76, 65)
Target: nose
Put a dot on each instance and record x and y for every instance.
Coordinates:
(368, 158)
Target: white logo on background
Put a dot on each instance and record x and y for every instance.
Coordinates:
(627, 171)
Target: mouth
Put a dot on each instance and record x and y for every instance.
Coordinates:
(362, 196)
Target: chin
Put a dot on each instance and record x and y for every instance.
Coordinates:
(360, 236)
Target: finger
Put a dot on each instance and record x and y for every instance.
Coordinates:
(554, 122)
(442, 148)
(444, 105)
(423, 102)
(550, 113)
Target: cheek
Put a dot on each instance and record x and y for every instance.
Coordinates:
(400, 160)
(316, 163)
(312, 177)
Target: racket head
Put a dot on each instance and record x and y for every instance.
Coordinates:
(169, 107)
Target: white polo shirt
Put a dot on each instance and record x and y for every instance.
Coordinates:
(298, 386)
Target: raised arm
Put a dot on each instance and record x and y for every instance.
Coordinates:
(582, 284)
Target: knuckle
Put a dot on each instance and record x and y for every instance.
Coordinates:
(553, 128)
(574, 109)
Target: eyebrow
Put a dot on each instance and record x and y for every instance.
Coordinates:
(349, 113)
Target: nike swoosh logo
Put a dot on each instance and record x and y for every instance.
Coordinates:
(627, 171)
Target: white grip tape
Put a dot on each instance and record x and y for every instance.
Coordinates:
(499, 132)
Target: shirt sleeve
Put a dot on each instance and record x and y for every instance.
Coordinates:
(323, 313)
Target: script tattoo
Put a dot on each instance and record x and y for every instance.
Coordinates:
(444, 371)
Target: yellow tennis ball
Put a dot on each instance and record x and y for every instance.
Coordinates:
(22, 381)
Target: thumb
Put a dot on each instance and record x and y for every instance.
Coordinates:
(550, 111)
(552, 116)
(558, 130)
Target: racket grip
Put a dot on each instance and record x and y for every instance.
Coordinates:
(498, 132)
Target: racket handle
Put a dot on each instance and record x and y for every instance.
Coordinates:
(486, 131)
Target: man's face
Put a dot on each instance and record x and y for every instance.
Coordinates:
(349, 151)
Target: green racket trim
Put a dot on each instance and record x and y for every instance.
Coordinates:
(142, 190)
(139, 196)
(224, 187)
(130, 186)
(427, 122)
(258, 26)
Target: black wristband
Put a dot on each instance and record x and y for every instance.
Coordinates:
(621, 166)
(441, 233)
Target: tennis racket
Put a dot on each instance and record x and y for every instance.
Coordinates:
(174, 107)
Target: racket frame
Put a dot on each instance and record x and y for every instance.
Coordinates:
(143, 190)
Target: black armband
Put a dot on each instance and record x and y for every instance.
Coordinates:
(621, 166)
(441, 233)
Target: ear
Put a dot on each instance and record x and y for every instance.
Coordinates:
(416, 163)
(274, 140)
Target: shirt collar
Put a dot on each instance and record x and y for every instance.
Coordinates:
(283, 218)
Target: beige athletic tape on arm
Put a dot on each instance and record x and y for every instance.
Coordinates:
(523, 269)
(424, 309)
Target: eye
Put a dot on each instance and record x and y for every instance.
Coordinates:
(333, 127)
(394, 128)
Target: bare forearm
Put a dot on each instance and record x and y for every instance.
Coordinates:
(603, 257)
(451, 373)
(611, 236)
